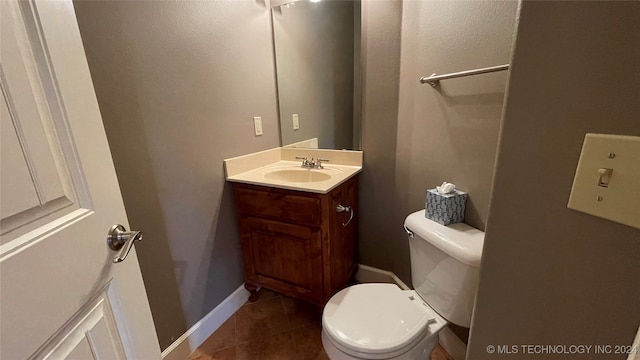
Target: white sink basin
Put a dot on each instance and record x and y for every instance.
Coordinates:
(287, 174)
(297, 175)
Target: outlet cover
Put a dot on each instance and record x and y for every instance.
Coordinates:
(296, 122)
(257, 124)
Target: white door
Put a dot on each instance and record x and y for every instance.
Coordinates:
(61, 295)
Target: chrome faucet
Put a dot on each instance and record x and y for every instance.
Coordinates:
(311, 164)
(306, 163)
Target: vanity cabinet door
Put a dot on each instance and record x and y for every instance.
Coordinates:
(343, 237)
(283, 257)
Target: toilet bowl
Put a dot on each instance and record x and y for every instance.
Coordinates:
(382, 321)
(379, 321)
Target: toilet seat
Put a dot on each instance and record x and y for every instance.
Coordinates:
(378, 321)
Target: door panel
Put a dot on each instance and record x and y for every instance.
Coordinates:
(36, 180)
(92, 333)
(16, 180)
(61, 295)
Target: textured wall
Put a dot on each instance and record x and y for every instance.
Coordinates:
(452, 134)
(314, 57)
(380, 244)
(551, 275)
(178, 84)
(415, 137)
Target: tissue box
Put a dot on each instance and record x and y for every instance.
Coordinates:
(445, 209)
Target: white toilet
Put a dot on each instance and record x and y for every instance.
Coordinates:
(381, 321)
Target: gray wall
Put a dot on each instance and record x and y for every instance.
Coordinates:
(551, 275)
(381, 245)
(178, 84)
(315, 70)
(415, 137)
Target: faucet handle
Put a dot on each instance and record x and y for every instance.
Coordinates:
(305, 161)
(319, 162)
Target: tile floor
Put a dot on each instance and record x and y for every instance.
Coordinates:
(275, 327)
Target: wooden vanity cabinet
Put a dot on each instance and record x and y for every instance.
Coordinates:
(294, 242)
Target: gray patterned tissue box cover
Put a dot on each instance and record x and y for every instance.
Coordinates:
(445, 209)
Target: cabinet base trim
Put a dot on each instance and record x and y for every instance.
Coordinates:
(198, 333)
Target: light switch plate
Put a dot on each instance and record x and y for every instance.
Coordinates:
(613, 195)
(257, 124)
(296, 122)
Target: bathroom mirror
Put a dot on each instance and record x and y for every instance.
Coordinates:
(317, 51)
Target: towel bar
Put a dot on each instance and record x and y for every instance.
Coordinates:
(434, 80)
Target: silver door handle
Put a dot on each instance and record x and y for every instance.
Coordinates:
(120, 239)
(341, 208)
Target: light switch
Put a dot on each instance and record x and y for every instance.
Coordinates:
(607, 180)
(605, 177)
(296, 122)
(257, 124)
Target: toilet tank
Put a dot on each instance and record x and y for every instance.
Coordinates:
(445, 265)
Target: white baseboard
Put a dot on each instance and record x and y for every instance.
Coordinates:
(368, 274)
(198, 333)
(447, 339)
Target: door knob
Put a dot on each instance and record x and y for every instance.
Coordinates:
(120, 239)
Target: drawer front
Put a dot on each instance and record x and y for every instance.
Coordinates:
(281, 206)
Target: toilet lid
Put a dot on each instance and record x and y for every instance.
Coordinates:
(375, 318)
